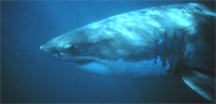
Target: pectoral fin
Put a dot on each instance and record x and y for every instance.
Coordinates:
(202, 82)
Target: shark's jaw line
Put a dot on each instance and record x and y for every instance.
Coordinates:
(83, 62)
(121, 68)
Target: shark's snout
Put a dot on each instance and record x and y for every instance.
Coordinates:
(49, 51)
(44, 49)
(41, 47)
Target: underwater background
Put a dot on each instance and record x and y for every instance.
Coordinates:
(30, 76)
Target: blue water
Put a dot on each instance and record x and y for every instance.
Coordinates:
(30, 76)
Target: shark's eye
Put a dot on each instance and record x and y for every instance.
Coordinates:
(72, 48)
(69, 47)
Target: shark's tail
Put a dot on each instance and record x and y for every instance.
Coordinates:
(201, 81)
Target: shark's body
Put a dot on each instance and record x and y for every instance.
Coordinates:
(165, 40)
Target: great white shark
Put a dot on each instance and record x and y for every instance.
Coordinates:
(166, 40)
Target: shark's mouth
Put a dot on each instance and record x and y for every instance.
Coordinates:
(83, 62)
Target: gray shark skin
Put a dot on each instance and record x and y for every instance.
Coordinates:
(166, 40)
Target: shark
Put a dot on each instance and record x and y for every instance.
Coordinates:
(168, 40)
